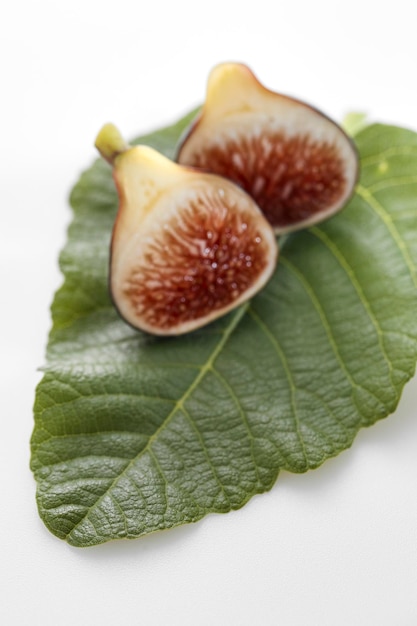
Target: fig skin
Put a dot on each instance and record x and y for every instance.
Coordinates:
(298, 165)
(187, 247)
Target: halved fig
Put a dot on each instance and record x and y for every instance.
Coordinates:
(298, 165)
(187, 247)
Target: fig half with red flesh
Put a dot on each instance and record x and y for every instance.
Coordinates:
(298, 165)
(187, 247)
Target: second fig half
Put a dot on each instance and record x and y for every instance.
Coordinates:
(298, 165)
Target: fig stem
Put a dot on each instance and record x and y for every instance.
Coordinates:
(110, 143)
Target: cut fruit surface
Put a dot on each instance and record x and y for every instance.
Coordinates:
(187, 247)
(298, 165)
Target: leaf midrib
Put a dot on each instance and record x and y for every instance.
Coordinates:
(205, 368)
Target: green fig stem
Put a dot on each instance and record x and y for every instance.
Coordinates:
(110, 143)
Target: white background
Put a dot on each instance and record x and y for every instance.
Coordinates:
(337, 546)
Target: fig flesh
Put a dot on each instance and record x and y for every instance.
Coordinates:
(298, 165)
(187, 247)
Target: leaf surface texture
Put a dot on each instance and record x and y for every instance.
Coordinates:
(135, 433)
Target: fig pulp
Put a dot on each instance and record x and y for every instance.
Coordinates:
(298, 165)
(187, 247)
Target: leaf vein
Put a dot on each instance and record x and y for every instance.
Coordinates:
(327, 328)
(281, 355)
(234, 321)
(206, 454)
(402, 150)
(243, 415)
(321, 235)
(387, 220)
(388, 183)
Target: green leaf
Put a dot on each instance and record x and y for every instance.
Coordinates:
(355, 122)
(135, 433)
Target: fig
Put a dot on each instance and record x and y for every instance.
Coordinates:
(187, 246)
(298, 165)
